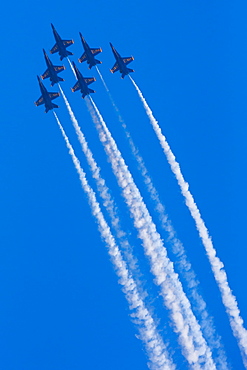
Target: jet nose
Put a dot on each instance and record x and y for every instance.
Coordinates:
(112, 46)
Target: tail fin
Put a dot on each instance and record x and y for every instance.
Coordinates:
(129, 71)
(90, 91)
(53, 106)
(68, 53)
(59, 79)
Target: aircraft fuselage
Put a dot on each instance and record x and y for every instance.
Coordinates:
(121, 63)
(83, 86)
(61, 48)
(47, 100)
(53, 75)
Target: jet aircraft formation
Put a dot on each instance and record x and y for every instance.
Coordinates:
(82, 83)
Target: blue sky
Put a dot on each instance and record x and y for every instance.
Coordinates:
(61, 306)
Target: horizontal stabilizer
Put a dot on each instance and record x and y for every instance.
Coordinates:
(53, 106)
(129, 71)
(90, 91)
(59, 79)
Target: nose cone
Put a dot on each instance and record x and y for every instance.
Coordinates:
(112, 47)
(83, 40)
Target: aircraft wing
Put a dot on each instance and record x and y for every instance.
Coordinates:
(96, 51)
(83, 58)
(45, 75)
(68, 42)
(115, 68)
(59, 68)
(54, 49)
(76, 87)
(53, 95)
(39, 101)
(127, 60)
(89, 80)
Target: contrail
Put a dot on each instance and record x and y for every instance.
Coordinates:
(102, 79)
(104, 193)
(183, 263)
(71, 66)
(229, 300)
(193, 344)
(156, 350)
(178, 250)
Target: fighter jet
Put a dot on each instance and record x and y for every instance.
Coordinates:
(82, 83)
(52, 71)
(46, 98)
(121, 63)
(61, 45)
(89, 54)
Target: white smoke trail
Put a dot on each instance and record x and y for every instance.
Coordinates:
(191, 340)
(229, 300)
(184, 265)
(103, 81)
(156, 350)
(71, 66)
(104, 193)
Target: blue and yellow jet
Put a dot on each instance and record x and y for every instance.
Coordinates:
(61, 45)
(89, 54)
(82, 83)
(52, 71)
(121, 63)
(46, 98)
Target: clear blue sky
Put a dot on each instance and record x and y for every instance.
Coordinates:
(61, 307)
